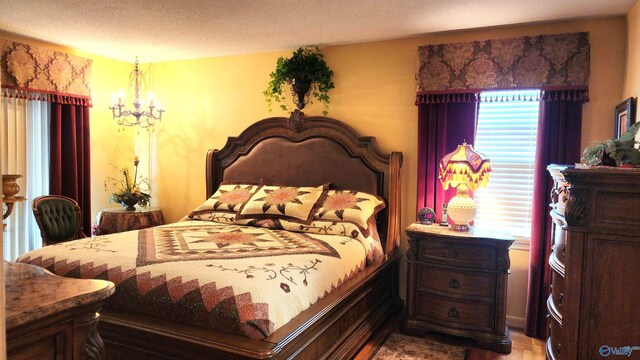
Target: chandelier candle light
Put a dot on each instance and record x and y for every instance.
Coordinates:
(139, 116)
(463, 169)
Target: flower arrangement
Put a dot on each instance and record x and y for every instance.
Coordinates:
(129, 192)
(614, 152)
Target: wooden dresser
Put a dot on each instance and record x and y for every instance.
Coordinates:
(457, 284)
(51, 317)
(594, 307)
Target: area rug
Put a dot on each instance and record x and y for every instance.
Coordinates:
(404, 347)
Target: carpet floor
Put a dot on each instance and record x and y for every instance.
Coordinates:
(404, 347)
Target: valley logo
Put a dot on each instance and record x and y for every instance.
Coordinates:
(606, 350)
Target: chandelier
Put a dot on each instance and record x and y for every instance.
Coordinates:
(144, 117)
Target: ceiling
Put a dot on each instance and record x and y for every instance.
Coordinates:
(166, 30)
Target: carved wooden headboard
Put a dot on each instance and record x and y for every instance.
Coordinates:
(309, 151)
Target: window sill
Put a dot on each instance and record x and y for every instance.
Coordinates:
(522, 243)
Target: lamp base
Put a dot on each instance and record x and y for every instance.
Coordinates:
(461, 210)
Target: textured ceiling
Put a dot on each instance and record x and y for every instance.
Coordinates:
(164, 30)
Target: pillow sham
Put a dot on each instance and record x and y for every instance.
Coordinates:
(297, 204)
(371, 243)
(223, 217)
(228, 198)
(355, 207)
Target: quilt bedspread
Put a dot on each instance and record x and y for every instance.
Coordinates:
(236, 279)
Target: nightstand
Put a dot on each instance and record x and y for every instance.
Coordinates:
(457, 284)
(115, 220)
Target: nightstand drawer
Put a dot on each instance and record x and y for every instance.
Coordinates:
(478, 285)
(554, 342)
(557, 290)
(464, 255)
(465, 314)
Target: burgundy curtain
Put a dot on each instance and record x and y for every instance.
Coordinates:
(442, 126)
(558, 142)
(70, 171)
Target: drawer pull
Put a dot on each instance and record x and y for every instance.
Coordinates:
(560, 298)
(454, 251)
(454, 284)
(453, 313)
(558, 347)
(564, 247)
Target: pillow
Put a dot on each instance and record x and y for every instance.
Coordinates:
(355, 207)
(297, 204)
(371, 243)
(223, 217)
(228, 198)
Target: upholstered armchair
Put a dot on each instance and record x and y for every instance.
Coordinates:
(59, 219)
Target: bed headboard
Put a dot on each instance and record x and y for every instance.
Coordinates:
(309, 151)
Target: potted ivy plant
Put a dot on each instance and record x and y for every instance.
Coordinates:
(308, 75)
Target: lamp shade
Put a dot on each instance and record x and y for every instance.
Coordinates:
(464, 166)
(463, 169)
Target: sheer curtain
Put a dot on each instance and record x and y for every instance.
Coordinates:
(37, 181)
(25, 151)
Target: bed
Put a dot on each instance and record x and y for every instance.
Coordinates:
(303, 152)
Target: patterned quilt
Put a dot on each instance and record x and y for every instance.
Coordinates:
(236, 279)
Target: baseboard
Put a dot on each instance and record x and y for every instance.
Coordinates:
(515, 322)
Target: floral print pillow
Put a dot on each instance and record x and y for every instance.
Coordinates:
(223, 217)
(355, 207)
(371, 243)
(229, 198)
(283, 202)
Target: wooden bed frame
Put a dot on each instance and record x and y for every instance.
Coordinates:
(303, 152)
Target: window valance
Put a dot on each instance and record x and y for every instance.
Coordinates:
(58, 76)
(550, 62)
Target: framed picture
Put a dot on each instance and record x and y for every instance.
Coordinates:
(625, 116)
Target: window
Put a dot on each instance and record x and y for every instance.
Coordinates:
(506, 134)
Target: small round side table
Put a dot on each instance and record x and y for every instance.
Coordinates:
(113, 220)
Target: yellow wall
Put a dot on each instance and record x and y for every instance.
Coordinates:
(108, 145)
(632, 78)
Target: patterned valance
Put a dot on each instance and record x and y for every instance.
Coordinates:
(557, 62)
(28, 69)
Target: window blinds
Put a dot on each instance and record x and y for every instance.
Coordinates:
(506, 134)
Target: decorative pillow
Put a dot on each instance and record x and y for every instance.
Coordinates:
(350, 206)
(283, 202)
(371, 243)
(223, 217)
(228, 198)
